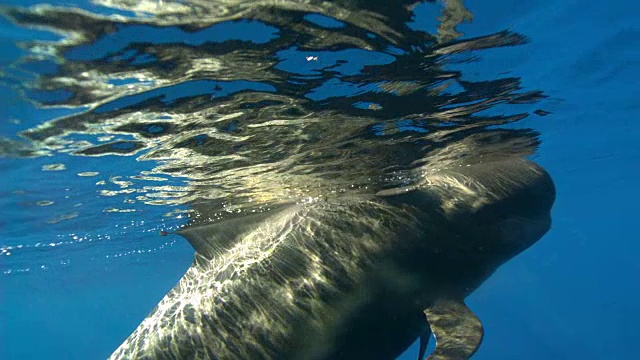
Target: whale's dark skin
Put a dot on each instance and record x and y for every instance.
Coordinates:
(350, 278)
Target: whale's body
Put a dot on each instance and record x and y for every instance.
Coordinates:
(350, 278)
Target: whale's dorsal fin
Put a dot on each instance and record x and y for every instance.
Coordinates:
(457, 330)
(210, 238)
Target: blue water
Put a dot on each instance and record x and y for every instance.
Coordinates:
(76, 278)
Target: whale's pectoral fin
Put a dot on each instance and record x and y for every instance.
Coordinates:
(424, 342)
(457, 330)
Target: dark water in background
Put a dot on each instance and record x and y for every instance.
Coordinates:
(117, 115)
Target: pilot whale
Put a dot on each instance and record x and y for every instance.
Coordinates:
(359, 277)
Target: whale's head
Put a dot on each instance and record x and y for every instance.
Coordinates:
(509, 210)
(518, 210)
(488, 212)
